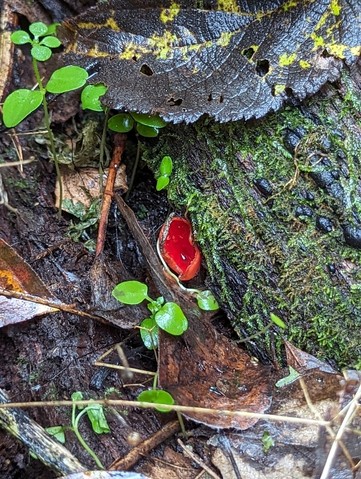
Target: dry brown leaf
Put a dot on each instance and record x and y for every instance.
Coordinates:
(16, 275)
(299, 450)
(82, 185)
(205, 369)
(303, 362)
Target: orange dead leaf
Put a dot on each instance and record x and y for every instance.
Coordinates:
(17, 276)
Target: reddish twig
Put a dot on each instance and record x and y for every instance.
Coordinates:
(145, 447)
(119, 146)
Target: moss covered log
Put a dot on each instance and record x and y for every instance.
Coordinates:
(276, 208)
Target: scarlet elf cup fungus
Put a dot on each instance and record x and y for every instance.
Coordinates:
(177, 247)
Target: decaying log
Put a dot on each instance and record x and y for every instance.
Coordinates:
(276, 208)
(49, 451)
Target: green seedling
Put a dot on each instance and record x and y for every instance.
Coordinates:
(57, 432)
(95, 413)
(165, 315)
(267, 441)
(165, 170)
(292, 377)
(157, 396)
(146, 125)
(21, 103)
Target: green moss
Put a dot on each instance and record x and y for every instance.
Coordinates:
(261, 256)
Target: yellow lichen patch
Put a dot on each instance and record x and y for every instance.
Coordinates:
(96, 53)
(169, 14)
(88, 25)
(356, 50)
(109, 23)
(112, 24)
(278, 89)
(163, 45)
(335, 7)
(304, 64)
(228, 6)
(318, 41)
(224, 39)
(337, 50)
(133, 50)
(289, 5)
(286, 60)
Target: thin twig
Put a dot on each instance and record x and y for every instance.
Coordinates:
(318, 415)
(124, 368)
(144, 448)
(185, 409)
(51, 303)
(197, 459)
(352, 407)
(119, 145)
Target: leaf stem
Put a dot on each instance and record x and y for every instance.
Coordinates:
(135, 167)
(80, 438)
(49, 130)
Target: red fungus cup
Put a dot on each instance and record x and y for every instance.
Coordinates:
(177, 247)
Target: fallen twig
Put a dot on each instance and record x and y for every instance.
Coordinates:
(143, 448)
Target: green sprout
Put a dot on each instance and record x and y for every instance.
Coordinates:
(95, 413)
(20, 103)
(164, 315)
(165, 170)
(167, 316)
(98, 422)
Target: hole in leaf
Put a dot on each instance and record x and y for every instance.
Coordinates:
(210, 98)
(289, 91)
(325, 54)
(173, 102)
(146, 70)
(221, 99)
(262, 67)
(135, 58)
(248, 53)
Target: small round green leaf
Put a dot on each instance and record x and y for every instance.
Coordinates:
(20, 37)
(19, 104)
(149, 120)
(57, 432)
(278, 321)
(121, 123)
(52, 28)
(149, 332)
(90, 97)
(66, 79)
(38, 29)
(77, 396)
(41, 53)
(147, 131)
(171, 319)
(207, 301)
(130, 292)
(51, 42)
(157, 396)
(166, 166)
(162, 182)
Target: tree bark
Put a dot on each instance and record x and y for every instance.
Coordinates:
(276, 209)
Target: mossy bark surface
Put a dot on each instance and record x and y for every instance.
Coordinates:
(276, 209)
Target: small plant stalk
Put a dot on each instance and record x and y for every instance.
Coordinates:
(75, 429)
(49, 130)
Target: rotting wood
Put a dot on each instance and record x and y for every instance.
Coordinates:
(50, 452)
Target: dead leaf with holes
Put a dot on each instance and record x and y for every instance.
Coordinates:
(16, 275)
(229, 59)
(81, 186)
